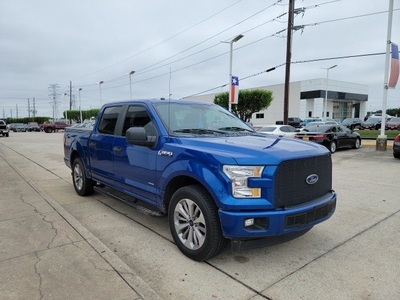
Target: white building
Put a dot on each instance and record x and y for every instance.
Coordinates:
(306, 99)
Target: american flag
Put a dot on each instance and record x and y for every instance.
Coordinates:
(394, 66)
(234, 89)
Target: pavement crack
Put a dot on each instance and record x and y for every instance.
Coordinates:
(39, 275)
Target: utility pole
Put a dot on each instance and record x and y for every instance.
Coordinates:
(29, 110)
(288, 61)
(34, 109)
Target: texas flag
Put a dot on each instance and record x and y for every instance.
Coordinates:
(394, 66)
(234, 89)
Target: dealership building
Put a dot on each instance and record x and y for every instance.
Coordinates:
(307, 98)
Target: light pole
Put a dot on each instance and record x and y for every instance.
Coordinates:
(100, 83)
(235, 39)
(66, 111)
(326, 91)
(130, 83)
(80, 110)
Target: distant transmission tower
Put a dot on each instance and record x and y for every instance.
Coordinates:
(54, 95)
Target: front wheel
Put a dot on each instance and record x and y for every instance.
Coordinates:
(83, 185)
(194, 223)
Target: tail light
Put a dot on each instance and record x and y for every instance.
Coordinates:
(397, 138)
(319, 137)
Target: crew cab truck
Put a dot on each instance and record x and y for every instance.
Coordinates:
(54, 126)
(213, 176)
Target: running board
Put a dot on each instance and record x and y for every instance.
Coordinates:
(128, 200)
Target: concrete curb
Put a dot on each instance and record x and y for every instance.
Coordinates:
(373, 143)
(123, 270)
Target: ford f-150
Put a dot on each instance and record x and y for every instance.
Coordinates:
(213, 176)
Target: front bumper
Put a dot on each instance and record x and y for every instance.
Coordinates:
(278, 221)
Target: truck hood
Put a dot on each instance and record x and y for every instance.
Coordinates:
(252, 149)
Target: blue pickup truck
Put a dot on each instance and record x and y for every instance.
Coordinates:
(213, 176)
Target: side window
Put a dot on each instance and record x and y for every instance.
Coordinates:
(137, 116)
(109, 119)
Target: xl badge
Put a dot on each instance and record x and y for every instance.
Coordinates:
(311, 179)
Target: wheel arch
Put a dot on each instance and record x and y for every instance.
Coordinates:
(208, 181)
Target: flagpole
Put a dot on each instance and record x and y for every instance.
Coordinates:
(381, 141)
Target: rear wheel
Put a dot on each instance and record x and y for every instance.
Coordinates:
(357, 143)
(194, 223)
(83, 185)
(332, 147)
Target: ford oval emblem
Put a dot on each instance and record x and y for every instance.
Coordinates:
(311, 179)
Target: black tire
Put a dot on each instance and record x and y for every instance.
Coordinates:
(7, 134)
(396, 155)
(332, 147)
(83, 185)
(194, 223)
(49, 130)
(357, 143)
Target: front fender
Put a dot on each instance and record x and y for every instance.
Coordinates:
(209, 177)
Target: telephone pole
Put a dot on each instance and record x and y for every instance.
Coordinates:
(288, 62)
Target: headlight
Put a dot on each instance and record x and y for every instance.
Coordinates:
(238, 176)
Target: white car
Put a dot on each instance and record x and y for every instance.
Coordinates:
(283, 130)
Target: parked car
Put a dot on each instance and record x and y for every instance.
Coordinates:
(393, 124)
(331, 136)
(283, 130)
(371, 123)
(320, 123)
(396, 146)
(3, 128)
(18, 127)
(292, 121)
(32, 126)
(352, 123)
(308, 120)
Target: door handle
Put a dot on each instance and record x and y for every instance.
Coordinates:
(92, 144)
(117, 150)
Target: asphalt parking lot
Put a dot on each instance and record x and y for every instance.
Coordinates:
(99, 248)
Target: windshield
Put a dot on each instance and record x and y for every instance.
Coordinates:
(199, 118)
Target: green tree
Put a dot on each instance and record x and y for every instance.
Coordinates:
(86, 114)
(249, 102)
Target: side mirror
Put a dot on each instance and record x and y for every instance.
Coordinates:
(138, 136)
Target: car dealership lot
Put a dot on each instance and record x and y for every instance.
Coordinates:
(354, 255)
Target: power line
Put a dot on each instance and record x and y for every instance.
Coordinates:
(158, 44)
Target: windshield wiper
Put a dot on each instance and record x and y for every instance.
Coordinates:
(235, 129)
(199, 131)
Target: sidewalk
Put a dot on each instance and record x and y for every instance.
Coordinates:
(46, 254)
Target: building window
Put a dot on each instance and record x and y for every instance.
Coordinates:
(259, 116)
(310, 113)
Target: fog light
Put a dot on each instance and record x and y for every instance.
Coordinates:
(248, 222)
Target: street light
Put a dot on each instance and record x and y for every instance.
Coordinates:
(130, 82)
(326, 90)
(100, 83)
(80, 110)
(235, 39)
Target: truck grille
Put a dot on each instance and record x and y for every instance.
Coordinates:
(291, 187)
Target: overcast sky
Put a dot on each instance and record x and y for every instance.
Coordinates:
(175, 47)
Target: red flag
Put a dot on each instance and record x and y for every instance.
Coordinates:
(394, 66)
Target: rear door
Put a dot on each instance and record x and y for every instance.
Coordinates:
(135, 166)
(101, 146)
